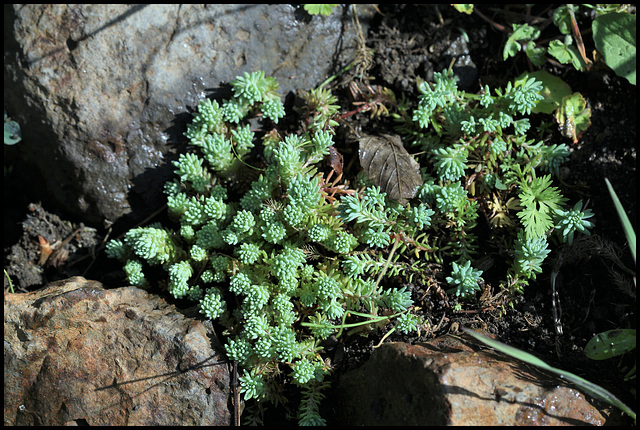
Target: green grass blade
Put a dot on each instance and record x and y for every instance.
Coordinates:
(624, 219)
(588, 387)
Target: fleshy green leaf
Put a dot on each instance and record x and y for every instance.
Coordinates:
(554, 89)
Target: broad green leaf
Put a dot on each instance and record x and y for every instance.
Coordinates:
(615, 37)
(524, 33)
(566, 53)
(611, 343)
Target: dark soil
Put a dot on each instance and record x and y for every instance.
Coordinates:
(411, 42)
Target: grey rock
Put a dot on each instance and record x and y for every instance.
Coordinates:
(102, 91)
(75, 353)
(464, 67)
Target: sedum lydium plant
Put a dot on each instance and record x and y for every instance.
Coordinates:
(481, 158)
(288, 258)
(277, 263)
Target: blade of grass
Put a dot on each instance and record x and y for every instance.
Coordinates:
(589, 387)
(624, 219)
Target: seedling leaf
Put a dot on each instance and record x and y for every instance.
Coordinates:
(566, 53)
(12, 133)
(573, 116)
(521, 33)
(322, 9)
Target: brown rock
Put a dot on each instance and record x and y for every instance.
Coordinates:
(432, 384)
(77, 353)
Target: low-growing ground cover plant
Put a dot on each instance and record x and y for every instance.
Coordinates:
(283, 252)
(481, 158)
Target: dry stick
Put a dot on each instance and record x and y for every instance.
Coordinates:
(59, 247)
(489, 20)
(578, 36)
(236, 394)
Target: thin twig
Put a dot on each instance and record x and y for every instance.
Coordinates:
(236, 394)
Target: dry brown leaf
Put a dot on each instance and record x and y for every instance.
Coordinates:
(390, 166)
(335, 160)
(45, 250)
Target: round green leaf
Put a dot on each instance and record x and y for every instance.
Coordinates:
(615, 37)
(12, 133)
(610, 344)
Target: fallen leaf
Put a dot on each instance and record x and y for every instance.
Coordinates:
(390, 166)
(45, 250)
(335, 160)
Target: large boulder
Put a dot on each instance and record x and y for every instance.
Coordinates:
(445, 382)
(75, 353)
(102, 91)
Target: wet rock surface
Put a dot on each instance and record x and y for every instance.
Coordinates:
(104, 92)
(446, 382)
(76, 353)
